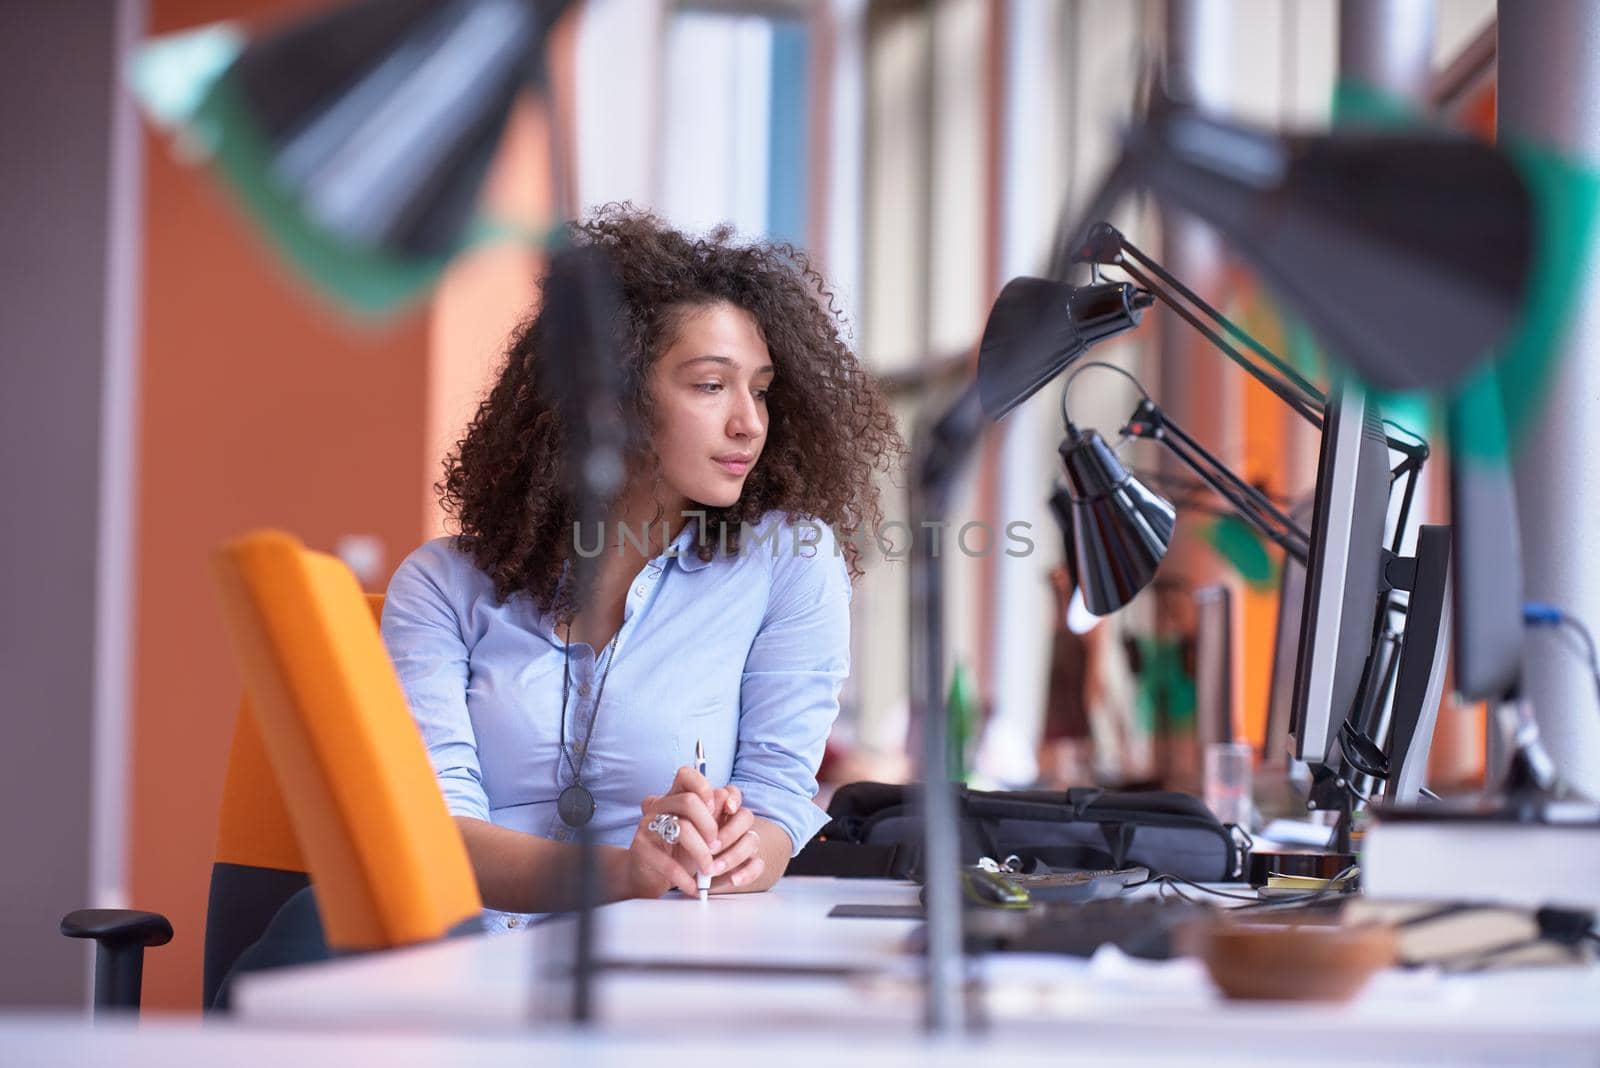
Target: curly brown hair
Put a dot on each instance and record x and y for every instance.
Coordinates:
(829, 428)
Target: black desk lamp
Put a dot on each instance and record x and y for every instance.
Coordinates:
(1038, 327)
(1120, 529)
(1014, 323)
(1408, 252)
(1106, 246)
(1111, 573)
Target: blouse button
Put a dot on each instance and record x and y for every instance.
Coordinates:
(639, 590)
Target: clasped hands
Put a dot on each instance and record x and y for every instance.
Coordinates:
(716, 834)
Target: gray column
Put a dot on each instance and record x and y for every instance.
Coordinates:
(1549, 85)
(1388, 45)
(1194, 386)
(1019, 646)
(840, 250)
(67, 364)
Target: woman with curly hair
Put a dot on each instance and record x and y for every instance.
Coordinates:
(719, 608)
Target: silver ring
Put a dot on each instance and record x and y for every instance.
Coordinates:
(664, 827)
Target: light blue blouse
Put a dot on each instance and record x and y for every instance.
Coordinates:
(746, 653)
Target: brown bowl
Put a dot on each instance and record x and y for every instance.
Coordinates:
(1289, 961)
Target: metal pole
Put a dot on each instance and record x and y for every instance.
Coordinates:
(943, 1009)
(943, 450)
(585, 967)
(1549, 94)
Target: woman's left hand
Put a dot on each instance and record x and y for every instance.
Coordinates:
(741, 844)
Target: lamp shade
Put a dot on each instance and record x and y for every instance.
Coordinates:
(1037, 327)
(1408, 252)
(1120, 527)
(358, 138)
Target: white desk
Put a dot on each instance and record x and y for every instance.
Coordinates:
(490, 980)
(29, 1040)
(486, 985)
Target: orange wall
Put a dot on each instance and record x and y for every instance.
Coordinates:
(1264, 463)
(483, 295)
(258, 408)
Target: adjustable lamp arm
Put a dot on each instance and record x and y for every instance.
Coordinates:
(1107, 246)
(1149, 421)
(1255, 507)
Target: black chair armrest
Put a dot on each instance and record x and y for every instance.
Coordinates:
(121, 936)
(118, 926)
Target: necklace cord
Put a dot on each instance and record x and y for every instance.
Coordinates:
(610, 653)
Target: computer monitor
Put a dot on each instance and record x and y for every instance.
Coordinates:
(1486, 550)
(1344, 574)
(1408, 735)
(1285, 650)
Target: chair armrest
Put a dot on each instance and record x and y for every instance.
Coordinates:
(120, 936)
(118, 927)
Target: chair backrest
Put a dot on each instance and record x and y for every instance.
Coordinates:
(257, 865)
(369, 821)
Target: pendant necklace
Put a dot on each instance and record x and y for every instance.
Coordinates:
(575, 804)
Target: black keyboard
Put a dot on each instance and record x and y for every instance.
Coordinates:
(1140, 927)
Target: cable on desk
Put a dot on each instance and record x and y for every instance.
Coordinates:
(1557, 926)
(1164, 883)
(1331, 886)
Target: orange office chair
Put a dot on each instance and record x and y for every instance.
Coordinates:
(327, 776)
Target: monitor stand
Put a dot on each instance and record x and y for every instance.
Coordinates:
(1418, 682)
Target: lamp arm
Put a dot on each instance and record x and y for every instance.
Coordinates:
(1306, 408)
(1107, 245)
(1190, 489)
(1150, 422)
(1410, 470)
(1286, 375)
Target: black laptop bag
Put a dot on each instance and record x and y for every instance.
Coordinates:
(875, 831)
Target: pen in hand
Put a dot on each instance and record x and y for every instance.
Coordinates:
(702, 880)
